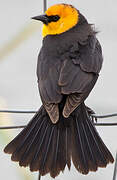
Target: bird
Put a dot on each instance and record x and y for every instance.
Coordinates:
(62, 131)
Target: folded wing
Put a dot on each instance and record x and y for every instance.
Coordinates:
(79, 74)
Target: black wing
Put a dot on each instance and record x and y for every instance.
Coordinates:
(75, 75)
(48, 74)
(79, 73)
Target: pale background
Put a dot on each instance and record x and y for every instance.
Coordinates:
(18, 81)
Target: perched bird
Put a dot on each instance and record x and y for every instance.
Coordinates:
(68, 67)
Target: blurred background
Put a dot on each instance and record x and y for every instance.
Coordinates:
(20, 42)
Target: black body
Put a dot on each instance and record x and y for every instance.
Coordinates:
(68, 68)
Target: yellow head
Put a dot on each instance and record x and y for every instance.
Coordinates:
(58, 19)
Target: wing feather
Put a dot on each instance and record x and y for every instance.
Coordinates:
(74, 75)
(79, 74)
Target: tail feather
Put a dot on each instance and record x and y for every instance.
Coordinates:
(26, 141)
(34, 165)
(89, 151)
(96, 146)
(29, 152)
(45, 161)
(49, 148)
(61, 158)
(65, 148)
(47, 165)
(103, 149)
(19, 138)
(61, 148)
(79, 153)
(54, 168)
(67, 145)
(92, 159)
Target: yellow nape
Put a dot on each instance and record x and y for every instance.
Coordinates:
(68, 18)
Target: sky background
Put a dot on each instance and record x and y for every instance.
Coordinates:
(18, 81)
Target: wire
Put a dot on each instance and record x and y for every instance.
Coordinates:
(29, 111)
(44, 5)
(17, 111)
(32, 111)
(105, 124)
(104, 116)
(115, 168)
(39, 177)
(12, 127)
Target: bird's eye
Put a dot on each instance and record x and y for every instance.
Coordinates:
(56, 18)
(53, 18)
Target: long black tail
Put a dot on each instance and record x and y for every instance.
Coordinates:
(48, 148)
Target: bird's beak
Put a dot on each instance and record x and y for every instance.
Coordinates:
(42, 18)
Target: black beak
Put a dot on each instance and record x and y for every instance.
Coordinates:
(42, 18)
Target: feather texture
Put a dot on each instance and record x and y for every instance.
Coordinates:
(61, 131)
(49, 148)
(88, 151)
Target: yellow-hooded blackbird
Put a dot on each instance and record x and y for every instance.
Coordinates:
(68, 67)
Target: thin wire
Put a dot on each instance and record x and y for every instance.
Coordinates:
(23, 126)
(12, 127)
(44, 5)
(115, 169)
(31, 112)
(105, 124)
(104, 116)
(28, 111)
(39, 177)
(17, 111)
